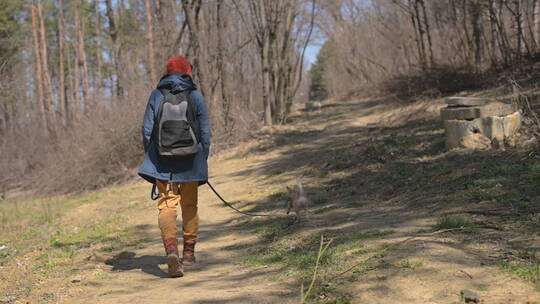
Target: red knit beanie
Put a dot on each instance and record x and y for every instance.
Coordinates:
(178, 64)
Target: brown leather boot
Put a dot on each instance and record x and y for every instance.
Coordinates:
(176, 268)
(189, 253)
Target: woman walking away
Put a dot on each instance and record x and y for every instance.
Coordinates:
(176, 136)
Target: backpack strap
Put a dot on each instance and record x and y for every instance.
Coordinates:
(163, 92)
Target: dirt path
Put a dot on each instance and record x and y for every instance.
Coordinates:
(359, 200)
(139, 276)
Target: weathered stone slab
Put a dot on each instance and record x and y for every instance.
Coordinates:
(511, 124)
(501, 127)
(496, 129)
(488, 110)
(466, 101)
(457, 129)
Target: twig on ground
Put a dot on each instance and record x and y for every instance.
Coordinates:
(354, 266)
(322, 249)
(479, 212)
(490, 226)
(466, 273)
(438, 232)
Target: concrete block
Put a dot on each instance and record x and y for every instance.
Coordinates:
(511, 124)
(501, 127)
(497, 129)
(466, 101)
(488, 110)
(457, 129)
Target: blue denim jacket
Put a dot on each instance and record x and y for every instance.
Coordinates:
(188, 169)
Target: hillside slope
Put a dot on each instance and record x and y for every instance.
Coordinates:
(409, 222)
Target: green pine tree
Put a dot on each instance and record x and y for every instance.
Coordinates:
(318, 89)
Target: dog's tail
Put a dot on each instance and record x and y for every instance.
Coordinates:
(299, 183)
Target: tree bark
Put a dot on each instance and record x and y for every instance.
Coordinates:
(98, 83)
(299, 66)
(47, 83)
(476, 15)
(77, 87)
(427, 32)
(272, 25)
(113, 32)
(418, 32)
(191, 9)
(81, 59)
(61, 72)
(150, 38)
(226, 105)
(519, 28)
(70, 106)
(494, 36)
(38, 74)
(265, 61)
(537, 24)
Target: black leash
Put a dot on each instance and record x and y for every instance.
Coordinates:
(154, 196)
(231, 206)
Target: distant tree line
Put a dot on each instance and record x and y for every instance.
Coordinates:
(72, 69)
(372, 41)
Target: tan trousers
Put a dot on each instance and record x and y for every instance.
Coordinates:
(184, 194)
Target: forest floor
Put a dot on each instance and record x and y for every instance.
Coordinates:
(409, 222)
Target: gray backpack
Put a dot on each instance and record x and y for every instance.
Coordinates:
(178, 129)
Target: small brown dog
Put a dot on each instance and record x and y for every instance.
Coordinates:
(298, 201)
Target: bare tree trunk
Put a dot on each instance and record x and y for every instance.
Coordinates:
(77, 87)
(537, 24)
(494, 36)
(98, 83)
(170, 39)
(70, 107)
(504, 44)
(271, 25)
(47, 83)
(113, 32)
(299, 65)
(226, 105)
(265, 54)
(191, 9)
(258, 29)
(418, 32)
(150, 39)
(6, 121)
(428, 32)
(81, 58)
(61, 74)
(515, 10)
(528, 42)
(476, 14)
(37, 66)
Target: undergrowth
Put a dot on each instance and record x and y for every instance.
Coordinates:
(55, 241)
(525, 264)
(452, 222)
(297, 256)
